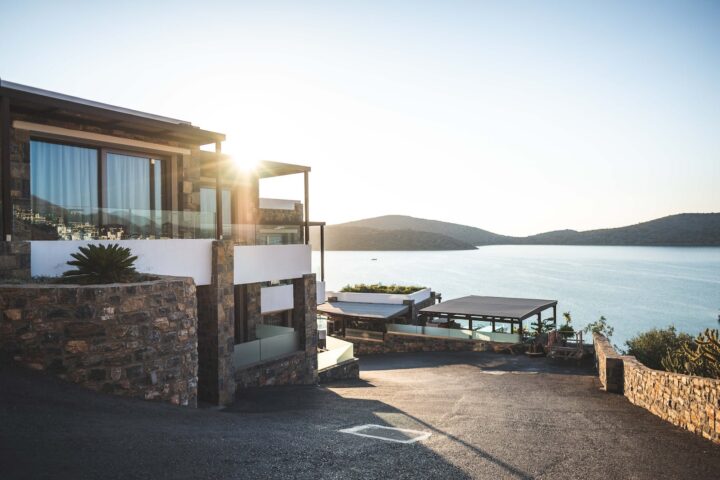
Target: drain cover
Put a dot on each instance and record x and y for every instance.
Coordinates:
(389, 434)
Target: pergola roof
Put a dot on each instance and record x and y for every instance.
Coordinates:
(379, 311)
(268, 168)
(491, 307)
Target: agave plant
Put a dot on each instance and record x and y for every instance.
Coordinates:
(102, 264)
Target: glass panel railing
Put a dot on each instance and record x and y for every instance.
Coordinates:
(43, 221)
(364, 334)
(455, 333)
(275, 342)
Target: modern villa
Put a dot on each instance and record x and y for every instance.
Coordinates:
(76, 171)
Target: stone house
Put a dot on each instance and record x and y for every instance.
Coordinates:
(75, 171)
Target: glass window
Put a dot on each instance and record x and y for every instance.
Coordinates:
(63, 190)
(208, 210)
(133, 189)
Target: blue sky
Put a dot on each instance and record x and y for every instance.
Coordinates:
(517, 117)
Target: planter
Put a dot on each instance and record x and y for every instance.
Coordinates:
(132, 339)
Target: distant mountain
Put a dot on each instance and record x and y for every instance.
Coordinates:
(398, 232)
(345, 237)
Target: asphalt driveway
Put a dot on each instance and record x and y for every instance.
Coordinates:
(488, 416)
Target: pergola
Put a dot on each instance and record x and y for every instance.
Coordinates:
(375, 312)
(491, 309)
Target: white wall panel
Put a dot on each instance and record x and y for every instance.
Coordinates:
(183, 258)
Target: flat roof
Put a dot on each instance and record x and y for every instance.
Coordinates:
(496, 307)
(380, 311)
(58, 106)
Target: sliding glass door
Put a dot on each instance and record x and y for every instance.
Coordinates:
(133, 194)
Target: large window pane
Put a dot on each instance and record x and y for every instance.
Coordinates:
(208, 209)
(64, 191)
(128, 194)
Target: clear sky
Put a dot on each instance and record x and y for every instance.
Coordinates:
(517, 117)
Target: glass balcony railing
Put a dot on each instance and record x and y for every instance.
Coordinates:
(63, 223)
(272, 342)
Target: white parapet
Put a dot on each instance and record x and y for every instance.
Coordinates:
(262, 263)
(276, 299)
(183, 258)
(387, 298)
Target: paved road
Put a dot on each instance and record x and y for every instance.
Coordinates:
(490, 416)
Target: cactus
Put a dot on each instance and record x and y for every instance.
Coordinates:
(701, 357)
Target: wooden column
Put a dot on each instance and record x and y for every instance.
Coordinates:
(7, 229)
(218, 192)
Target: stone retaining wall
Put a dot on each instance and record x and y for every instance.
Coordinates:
(288, 370)
(689, 402)
(399, 343)
(15, 260)
(347, 370)
(135, 339)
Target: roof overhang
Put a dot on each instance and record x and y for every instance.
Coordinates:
(46, 104)
(370, 311)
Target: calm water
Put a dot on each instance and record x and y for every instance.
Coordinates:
(635, 288)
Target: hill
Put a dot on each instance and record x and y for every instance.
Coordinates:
(343, 237)
(398, 232)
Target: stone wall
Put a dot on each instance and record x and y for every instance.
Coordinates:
(288, 370)
(216, 325)
(15, 260)
(689, 402)
(135, 339)
(609, 364)
(400, 343)
(347, 370)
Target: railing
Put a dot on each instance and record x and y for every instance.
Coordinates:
(338, 351)
(272, 342)
(453, 333)
(50, 222)
(364, 334)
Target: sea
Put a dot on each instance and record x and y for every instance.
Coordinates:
(635, 288)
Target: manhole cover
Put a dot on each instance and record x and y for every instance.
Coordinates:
(390, 434)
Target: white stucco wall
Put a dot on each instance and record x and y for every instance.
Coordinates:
(262, 263)
(184, 258)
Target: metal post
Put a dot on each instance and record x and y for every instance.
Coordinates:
(322, 253)
(218, 193)
(307, 208)
(7, 229)
(555, 316)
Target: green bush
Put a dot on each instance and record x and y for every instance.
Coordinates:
(102, 264)
(380, 288)
(652, 346)
(700, 357)
(601, 326)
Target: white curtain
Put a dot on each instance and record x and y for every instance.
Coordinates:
(63, 177)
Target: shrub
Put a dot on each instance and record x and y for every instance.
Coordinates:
(380, 288)
(700, 357)
(567, 331)
(601, 326)
(652, 346)
(102, 264)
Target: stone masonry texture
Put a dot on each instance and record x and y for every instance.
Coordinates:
(399, 343)
(136, 339)
(216, 328)
(689, 402)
